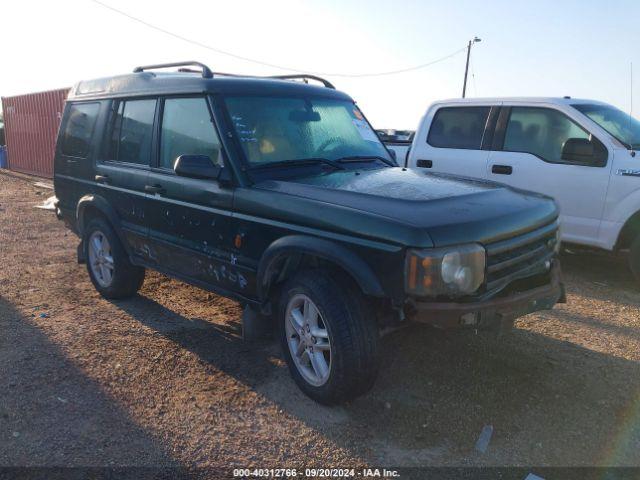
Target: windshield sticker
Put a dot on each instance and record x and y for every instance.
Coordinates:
(358, 114)
(246, 134)
(365, 131)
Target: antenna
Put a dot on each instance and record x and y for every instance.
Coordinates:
(633, 153)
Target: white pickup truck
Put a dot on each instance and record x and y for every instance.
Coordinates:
(581, 152)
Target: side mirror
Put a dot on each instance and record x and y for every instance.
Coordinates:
(578, 150)
(196, 166)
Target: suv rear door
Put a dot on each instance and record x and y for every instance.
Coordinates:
(123, 166)
(528, 148)
(457, 140)
(190, 218)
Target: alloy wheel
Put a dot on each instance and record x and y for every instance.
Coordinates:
(308, 340)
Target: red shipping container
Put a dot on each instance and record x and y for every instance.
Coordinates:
(31, 124)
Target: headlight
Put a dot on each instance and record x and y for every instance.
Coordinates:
(445, 271)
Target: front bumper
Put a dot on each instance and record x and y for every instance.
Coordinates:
(495, 313)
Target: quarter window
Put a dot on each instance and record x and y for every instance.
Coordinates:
(541, 132)
(132, 131)
(79, 129)
(187, 129)
(458, 127)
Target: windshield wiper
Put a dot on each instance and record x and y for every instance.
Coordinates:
(297, 163)
(364, 158)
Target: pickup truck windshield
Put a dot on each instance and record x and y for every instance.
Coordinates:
(275, 131)
(619, 124)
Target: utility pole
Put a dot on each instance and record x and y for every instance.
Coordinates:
(466, 69)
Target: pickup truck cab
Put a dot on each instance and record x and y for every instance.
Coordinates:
(279, 194)
(580, 152)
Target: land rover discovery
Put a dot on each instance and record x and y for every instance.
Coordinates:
(279, 194)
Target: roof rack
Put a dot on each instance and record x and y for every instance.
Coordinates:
(206, 71)
(305, 77)
(326, 83)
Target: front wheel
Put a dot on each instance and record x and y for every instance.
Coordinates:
(634, 257)
(328, 335)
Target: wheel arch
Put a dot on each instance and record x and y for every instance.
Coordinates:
(94, 205)
(630, 230)
(284, 255)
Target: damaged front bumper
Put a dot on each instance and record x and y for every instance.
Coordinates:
(496, 313)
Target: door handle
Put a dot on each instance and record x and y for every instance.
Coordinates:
(101, 178)
(424, 163)
(154, 189)
(502, 169)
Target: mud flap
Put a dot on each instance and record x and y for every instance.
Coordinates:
(255, 325)
(80, 253)
(563, 294)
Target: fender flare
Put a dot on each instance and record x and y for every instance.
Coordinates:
(100, 204)
(318, 247)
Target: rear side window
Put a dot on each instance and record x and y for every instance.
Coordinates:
(541, 132)
(187, 129)
(81, 120)
(132, 131)
(458, 127)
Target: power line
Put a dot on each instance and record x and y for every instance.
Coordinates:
(272, 65)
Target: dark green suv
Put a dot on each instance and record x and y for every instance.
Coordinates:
(280, 195)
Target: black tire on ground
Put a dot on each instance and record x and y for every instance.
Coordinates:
(353, 334)
(127, 278)
(634, 257)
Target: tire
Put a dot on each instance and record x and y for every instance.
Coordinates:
(634, 258)
(125, 278)
(351, 356)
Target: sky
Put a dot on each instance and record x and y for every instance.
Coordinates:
(529, 48)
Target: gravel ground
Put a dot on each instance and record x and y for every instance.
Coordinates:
(164, 378)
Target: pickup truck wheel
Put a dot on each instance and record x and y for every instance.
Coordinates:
(328, 336)
(634, 258)
(110, 270)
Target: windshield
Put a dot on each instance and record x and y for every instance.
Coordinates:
(287, 129)
(619, 124)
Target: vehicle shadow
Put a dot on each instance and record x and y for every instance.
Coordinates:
(550, 402)
(53, 415)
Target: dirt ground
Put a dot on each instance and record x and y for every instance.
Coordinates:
(164, 378)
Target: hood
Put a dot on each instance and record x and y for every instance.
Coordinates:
(449, 209)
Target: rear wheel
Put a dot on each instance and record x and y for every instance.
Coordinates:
(110, 270)
(328, 336)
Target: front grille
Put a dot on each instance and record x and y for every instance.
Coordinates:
(520, 257)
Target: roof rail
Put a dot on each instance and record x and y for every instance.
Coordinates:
(206, 71)
(326, 83)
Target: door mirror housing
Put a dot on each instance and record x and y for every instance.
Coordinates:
(197, 166)
(579, 150)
